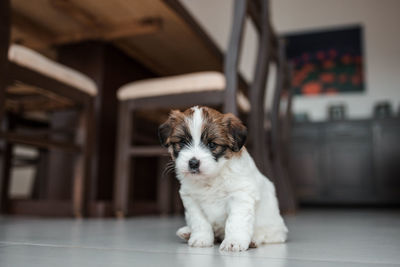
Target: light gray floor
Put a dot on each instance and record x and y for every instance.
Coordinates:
(317, 238)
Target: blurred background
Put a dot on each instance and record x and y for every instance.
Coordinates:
(85, 84)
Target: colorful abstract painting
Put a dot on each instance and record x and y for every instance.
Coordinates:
(326, 62)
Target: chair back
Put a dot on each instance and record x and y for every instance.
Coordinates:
(258, 12)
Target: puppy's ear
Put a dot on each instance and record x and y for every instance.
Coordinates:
(237, 132)
(165, 129)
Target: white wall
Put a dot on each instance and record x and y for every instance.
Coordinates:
(380, 20)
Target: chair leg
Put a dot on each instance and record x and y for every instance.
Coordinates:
(122, 165)
(5, 165)
(5, 172)
(259, 148)
(285, 192)
(267, 154)
(39, 186)
(2, 102)
(82, 169)
(262, 147)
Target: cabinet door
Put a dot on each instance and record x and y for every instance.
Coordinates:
(387, 159)
(304, 164)
(348, 163)
(348, 171)
(304, 161)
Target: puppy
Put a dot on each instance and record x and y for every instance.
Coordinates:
(224, 194)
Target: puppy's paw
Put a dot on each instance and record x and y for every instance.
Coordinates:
(267, 235)
(254, 244)
(184, 233)
(234, 244)
(200, 240)
(276, 236)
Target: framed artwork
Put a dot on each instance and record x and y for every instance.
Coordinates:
(326, 61)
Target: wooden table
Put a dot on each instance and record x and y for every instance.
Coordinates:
(160, 34)
(113, 42)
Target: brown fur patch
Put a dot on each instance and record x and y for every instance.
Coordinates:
(221, 129)
(225, 130)
(174, 132)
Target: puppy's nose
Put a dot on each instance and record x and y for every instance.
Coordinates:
(194, 164)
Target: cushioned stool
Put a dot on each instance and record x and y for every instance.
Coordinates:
(30, 59)
(25, 77)
(205, 88)
(210, 81)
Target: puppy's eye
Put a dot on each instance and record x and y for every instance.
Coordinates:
(212, 145)
(182, 143)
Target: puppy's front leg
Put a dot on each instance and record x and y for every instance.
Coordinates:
(239, 226)
(202, 234)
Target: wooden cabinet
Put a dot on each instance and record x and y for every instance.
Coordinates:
(305, 161)
(346, 162)
(387, 159)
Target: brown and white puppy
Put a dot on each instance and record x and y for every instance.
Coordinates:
(224, 195)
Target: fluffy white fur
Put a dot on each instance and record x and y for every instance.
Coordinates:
(228, 199)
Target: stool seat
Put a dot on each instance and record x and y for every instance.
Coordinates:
(179, 84)
(31, 59)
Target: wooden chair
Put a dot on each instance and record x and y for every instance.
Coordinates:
(204, 88)
(31, 82)
(278, 133)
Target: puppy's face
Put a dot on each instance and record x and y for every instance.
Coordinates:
(201, 140)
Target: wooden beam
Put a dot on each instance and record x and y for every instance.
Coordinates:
(97, 29)
(40, 142)
(119, 31)
(38, 35)
(22, 89)
(148, 151)
(35, 103)
(142, 57)
(77, 13)
(138, 27)
(54, 208)
(29, 98)
(94, 28)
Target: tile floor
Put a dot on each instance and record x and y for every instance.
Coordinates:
(317, 238)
